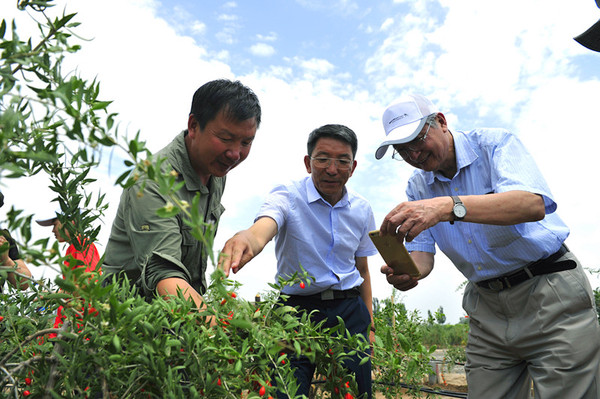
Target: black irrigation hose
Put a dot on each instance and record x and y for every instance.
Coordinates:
(441, 392)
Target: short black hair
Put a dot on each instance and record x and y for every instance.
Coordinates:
(338, 132)
(237, 101)
(1, 199)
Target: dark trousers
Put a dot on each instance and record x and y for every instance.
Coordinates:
(356, 316)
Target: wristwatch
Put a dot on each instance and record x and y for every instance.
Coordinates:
(459, 210)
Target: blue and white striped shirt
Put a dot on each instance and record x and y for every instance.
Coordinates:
(324, 239)
(488, 161)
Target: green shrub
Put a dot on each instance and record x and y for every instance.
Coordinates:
(112, 343)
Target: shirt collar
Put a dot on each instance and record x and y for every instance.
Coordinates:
(312, 195)
(180, 161)
(464, 153)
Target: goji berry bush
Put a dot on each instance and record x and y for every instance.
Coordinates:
(113, 344)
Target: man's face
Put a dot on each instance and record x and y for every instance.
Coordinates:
(330, 180)
(430, 153)
(220, 147)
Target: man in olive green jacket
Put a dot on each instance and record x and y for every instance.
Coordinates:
(160, 255)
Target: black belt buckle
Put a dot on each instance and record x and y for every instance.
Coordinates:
(327, 295)
(496, 285)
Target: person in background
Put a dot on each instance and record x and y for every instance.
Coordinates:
(591, 37)
(322, 226)
(10, 260)
(160, 256)
(87, 256)
(80, 254)
(479, 197)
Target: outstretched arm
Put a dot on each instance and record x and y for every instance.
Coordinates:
(246, 244)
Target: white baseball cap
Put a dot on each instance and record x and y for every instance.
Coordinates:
(404, 119)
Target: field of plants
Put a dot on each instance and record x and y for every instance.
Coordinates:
(113, 344)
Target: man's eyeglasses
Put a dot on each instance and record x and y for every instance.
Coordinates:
(341, 164)
(415, 145)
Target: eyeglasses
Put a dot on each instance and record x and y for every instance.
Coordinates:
(341, 164)
(415, 145)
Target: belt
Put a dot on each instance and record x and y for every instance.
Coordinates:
(329, 294)
(542, 266)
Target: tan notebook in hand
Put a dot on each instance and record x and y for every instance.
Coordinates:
(394, 254)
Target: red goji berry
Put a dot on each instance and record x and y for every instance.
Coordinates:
(302, 285)
(27, 381)
(262, 391)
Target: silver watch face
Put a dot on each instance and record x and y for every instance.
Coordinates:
(460, 211)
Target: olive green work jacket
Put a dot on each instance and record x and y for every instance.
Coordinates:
(149, 248)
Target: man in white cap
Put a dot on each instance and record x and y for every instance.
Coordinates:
(481, 199)
(591, 37)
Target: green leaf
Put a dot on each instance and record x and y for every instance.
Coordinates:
(241, 323)
(167, 212)
(100, 105)
(117, 343)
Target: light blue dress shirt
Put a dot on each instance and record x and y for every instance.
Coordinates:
(488, 161)
(324, 239)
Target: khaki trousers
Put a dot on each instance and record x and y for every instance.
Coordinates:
(544, 329)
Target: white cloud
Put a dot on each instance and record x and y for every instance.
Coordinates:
(198, 27)
(227, 17)
(316, 66)
(387, 24)
(271, 37)
(262, 50)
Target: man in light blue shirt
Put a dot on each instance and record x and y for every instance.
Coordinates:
(322, 226)
(481, 199)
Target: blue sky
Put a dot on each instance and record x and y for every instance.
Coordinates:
(512, 64)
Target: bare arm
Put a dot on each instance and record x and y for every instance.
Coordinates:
(404, 282)
(170, 286)
(246, 244)
(409, 219)
(17, 266)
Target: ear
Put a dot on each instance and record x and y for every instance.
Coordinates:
(352, 168)
(192, 125)
(442, 121)
(307, 163)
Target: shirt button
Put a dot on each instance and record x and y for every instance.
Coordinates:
(455, 188)
(478, 267)
(469, 242)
